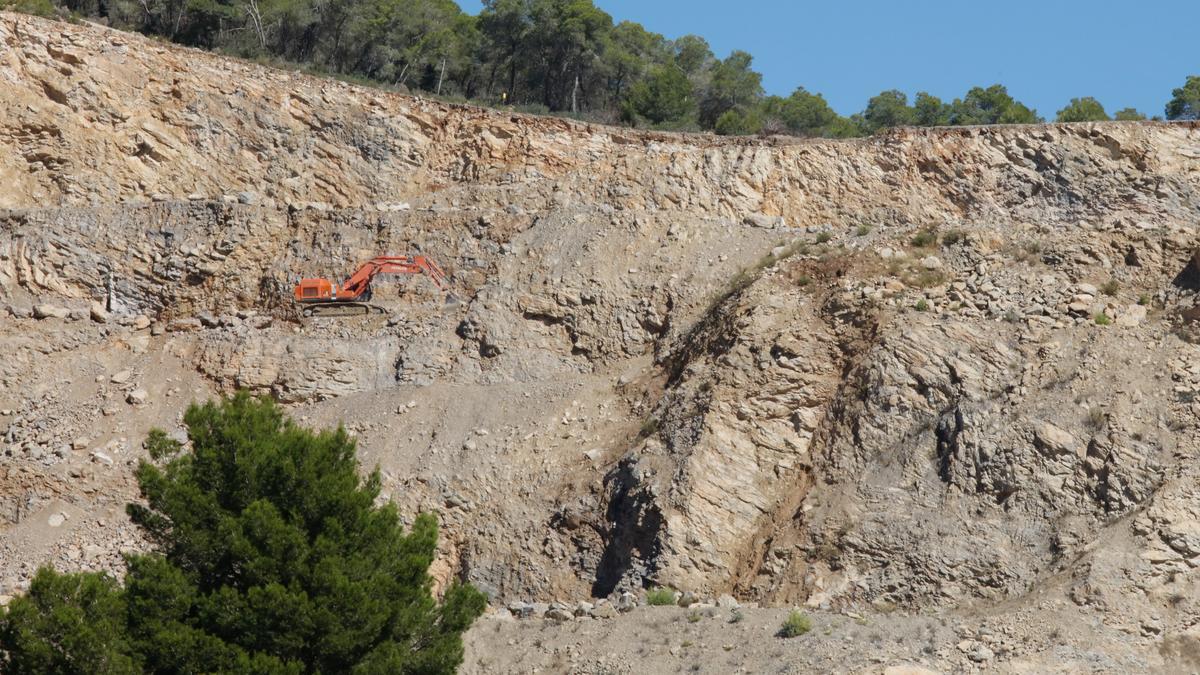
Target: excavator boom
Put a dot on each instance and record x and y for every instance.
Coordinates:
(357, 288)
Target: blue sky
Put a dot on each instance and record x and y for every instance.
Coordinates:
(1123, 53)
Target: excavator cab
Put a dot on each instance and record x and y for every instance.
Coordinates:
(314, 290)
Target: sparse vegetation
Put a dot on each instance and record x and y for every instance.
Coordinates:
(1029, 252)
(694, 617)
(863, 230)
(748, 275)
(922, 305)
(924, 238)
(1102, 319)
(660, 597)
(884, 606)
(1110, 287)
(35, 7)
(1143, 299)
(798, 623)
(649, 427)
(1096, 418)
(954, 237)
(925, 278)
(803, 280)
(736, 616)
(824, 237)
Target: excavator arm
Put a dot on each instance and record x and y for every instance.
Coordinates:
(360, 281)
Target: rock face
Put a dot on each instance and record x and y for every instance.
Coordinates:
(727, 366)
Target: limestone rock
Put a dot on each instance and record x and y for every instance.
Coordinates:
(98, 313)
(48, 311)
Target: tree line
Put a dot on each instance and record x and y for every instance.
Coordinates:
(553, 56)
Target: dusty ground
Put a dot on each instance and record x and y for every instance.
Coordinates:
(936, 388)
(711, 640)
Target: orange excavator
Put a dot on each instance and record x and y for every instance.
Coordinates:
(355, 291)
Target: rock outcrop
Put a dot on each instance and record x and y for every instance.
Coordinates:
(926, 370)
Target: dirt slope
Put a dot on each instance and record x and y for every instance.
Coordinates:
(730, 366)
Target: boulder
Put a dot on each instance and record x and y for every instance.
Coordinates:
(98, 313)
(180, 325)
(1131, 316)
(48, 311)
(137, 397)
(521, 610)
(627, 602)
(1054, 440)
(764, 221)
(604, 611)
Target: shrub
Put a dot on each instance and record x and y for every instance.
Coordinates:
(824, 237)
(43, 8)
(803, 280)
(953, 237)
(1143, 299)
(1029, 252)
(273, 557)
(925, 278)
(925, 238)
(694, 617)
(1102, 319)
(649, 427)
(1096, 417)
(922, 305)
(863, 230)
(1110, 287)
(798, 623)
(660, 597)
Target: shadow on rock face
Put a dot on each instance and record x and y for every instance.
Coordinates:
(635, 523)
(1189, 277)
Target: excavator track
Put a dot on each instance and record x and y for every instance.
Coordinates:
(340, 309)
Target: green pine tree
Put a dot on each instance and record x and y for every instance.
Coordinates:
(72, 624)
(1086, 109)
(272, 557)
(1185, 101)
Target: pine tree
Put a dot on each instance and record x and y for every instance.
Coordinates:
(271, 557)
(68, 624)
